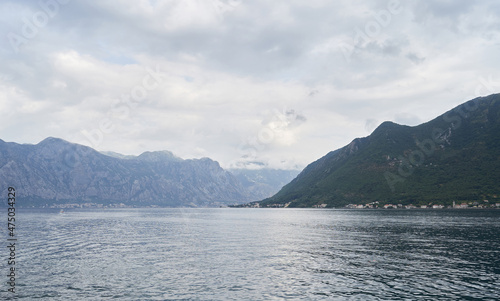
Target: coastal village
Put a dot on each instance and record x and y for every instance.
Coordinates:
(485, 204)
(464, 205)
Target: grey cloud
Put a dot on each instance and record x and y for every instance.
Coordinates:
(284, 119)
(454, 16)
(385, 48)
(415, 58)
(446, 9)
(294, 118)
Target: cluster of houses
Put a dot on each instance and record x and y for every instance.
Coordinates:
(484, 205)
(257, 205)
(391, 206)
(85, 205)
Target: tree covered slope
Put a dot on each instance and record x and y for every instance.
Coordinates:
(454, 157)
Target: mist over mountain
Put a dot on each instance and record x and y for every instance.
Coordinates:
(264, 182)
(454, 157)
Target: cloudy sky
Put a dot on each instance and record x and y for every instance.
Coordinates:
(244, 82)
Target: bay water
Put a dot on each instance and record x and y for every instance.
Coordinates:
(255, 254)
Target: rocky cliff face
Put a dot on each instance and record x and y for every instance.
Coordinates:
(56, 171)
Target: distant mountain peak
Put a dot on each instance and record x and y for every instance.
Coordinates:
(117, 155)
(159, 156)
(388, 126)
(52, 146)
(53, 140)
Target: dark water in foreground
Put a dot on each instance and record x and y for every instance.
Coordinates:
(256, 254)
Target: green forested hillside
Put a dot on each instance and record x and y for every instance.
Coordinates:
(455, 157)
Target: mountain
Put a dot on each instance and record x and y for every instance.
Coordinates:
(455, 157)
(264, 182)
(117, 155)
(55, 171)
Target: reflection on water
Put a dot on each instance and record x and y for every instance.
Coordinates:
(258, 254)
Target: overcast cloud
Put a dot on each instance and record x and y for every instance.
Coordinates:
(247, 83)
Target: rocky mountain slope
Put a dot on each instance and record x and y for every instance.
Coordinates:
(56, 172)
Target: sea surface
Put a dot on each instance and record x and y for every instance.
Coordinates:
(255, 254)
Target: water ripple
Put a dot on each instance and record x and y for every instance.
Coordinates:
(232, 254)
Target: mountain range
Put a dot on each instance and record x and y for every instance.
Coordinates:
(56, 172)
(454, 157)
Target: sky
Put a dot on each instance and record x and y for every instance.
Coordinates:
(248, 83)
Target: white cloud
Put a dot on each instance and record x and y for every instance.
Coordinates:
(228, 66)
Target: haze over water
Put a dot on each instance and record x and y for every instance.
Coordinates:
(258, 254)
